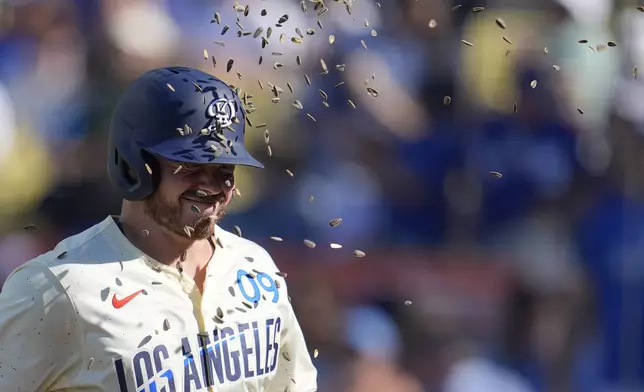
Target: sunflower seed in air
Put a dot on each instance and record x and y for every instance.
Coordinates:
(364, 44)
(62, 255)
(286, 356)
(309, 243)
(501, 23)
(237, 231)
(278, 239)
(580, 111)
(583, 41)
(225, 29)
(407, 303)
(478, 9)
(281, 274)
(29, 226)
(331, 38)
(533, 84)
(432, 23)
(269, 151)
(145, 233)
(297, 104)
(640, 8)
(195, 209)
(496, 174)
(231, 290)
(359, 253)
(290, 173)
(89, 364)
(353, 105)
(229, 66)
(335, 246)
(372, 91)
(556, 67)
(634, 72)
(309, 115)
(506, 39)
(308, 80)
(316, 353)
(166, 325)
(170, 87)
(467, 43)
(148, 168)
(611, 44)
(335, 222)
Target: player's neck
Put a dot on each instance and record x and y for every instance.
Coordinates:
(162, 245)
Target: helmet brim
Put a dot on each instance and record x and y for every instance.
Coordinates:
(199, 151)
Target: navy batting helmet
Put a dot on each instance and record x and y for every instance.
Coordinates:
(180, 114)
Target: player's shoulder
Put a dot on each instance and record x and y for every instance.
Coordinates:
(91, 246)
(246, 248)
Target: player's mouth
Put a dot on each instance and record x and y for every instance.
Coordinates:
(203, 197)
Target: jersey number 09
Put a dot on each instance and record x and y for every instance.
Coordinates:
(252, 288)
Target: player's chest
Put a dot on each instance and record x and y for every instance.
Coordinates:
(166, 339)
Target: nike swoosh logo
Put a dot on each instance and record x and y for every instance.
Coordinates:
(119, 303)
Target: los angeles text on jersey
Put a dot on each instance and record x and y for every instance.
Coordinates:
(247, 350)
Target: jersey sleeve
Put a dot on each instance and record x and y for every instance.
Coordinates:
(38, 337)
(295, 370)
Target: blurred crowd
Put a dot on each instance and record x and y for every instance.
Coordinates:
(528, 281)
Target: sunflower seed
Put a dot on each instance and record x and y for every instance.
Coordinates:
(148, 168)
(373, 92)
(89, 364)
(308, 80)
(359, 253)
(533, 84)
(281, 274)
(320, 25)
(496, 174)
(311, 199)
(407, 303)
(467, 43)
(188, 230)
(331, 38)
(246, 304)
(501, 23)
(315, 353)
(335, 222)
(29, 226)
(506, 39)
(237, 231)
(309, 243)
(278, 239)
(515, 108)
(364, 44)
(166, 325)
(580, 111)
(335, 246)
(145, 233)
(297, 104)
(611, 44)
(277, 65)
(225, 29)
(640, 8)
(290, 173)
(229, 66)
(432, 23)
(556, 67)
(353, 105)
(309, 115)
(338, 84)
(218, 320)
(298, 60)
(583, 41)
(635, 71)
(447, 100)
(296, 40)
(545, 50)
(283, 19)
(478, 9)
(269, 151)
(286, 356)
(170, 87)
(231, 290)
(220, 313)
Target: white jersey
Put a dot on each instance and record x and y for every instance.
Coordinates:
(96, 314)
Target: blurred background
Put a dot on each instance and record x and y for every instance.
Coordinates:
(532, 281)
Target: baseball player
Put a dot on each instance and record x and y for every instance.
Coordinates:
(159, 298)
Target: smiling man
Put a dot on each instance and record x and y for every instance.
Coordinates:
(159, 298)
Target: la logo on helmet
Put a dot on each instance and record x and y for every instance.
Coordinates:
(223, 111)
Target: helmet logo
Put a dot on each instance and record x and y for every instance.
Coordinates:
(223, 111)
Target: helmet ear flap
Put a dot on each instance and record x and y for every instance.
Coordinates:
(131, 174)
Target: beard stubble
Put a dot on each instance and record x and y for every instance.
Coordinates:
(168, 215)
